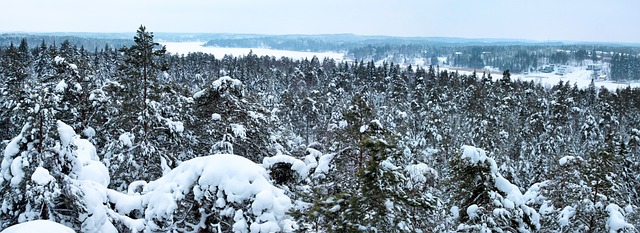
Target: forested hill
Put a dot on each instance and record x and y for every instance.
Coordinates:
(115, 140)
(87, 41)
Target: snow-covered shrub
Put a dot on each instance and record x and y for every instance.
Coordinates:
(223, 192)
(64, 182)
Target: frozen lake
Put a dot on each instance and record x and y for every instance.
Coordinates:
(219, 52)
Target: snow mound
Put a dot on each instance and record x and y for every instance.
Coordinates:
(233, 181)
(41, 176)
(38, 226)
(616, 220)
(567, 159)
(476, 155)
(126, 139)
(90, 169)
(472, 211)
(226, 81)
(297, 165)
(239, 131)
(565, 215)
(11, 167)
(61, 86)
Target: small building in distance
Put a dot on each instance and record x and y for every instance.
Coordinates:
(562, 70)
(594, 67)
(547, 69)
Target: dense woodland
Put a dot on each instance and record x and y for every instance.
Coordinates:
(396, 149)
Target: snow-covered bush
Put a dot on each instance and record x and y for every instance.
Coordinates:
(62, 182)
(221, 193)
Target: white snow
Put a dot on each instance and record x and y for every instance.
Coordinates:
(232, 178)
(297, 165)
(95, 197)
(90, 168)
(89, 132)
(364, 128)
(239, 131)
(324, 164)
(226, 81)
(514, 198)
(126, 139)
(192, 47)
(41, 176)
(175, 126)
(342, 124)
(66, 133)
(216, 117)
(566, 214)
(578, 75)
(616, 220)
(566, 159)
(200, 93)
(472, 211)
(513, 193)
(58, 59)
(61, 86)
(11, 166)
(475, 154)
(455, 212)
(38, 226)
(16, 171)
(418, 174)
(388, 165)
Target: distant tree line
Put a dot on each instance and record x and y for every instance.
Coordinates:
(80, 42)
(625, 67)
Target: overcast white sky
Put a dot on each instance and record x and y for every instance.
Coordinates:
(586, 20)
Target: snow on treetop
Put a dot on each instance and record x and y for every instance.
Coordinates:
(58, 59)
(38, 226)
(66, 133)
(226, 80)
(222, 84)
(475, 154)
(297, 165)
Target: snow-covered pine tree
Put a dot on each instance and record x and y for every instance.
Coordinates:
(483, 200)
(227, 122)
(16, 72)
(36, 166)
(365, 191)
(140, 127)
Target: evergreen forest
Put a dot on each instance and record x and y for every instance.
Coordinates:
(130, 138)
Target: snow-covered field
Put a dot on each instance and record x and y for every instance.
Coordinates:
(577, 75)
(191, 47)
